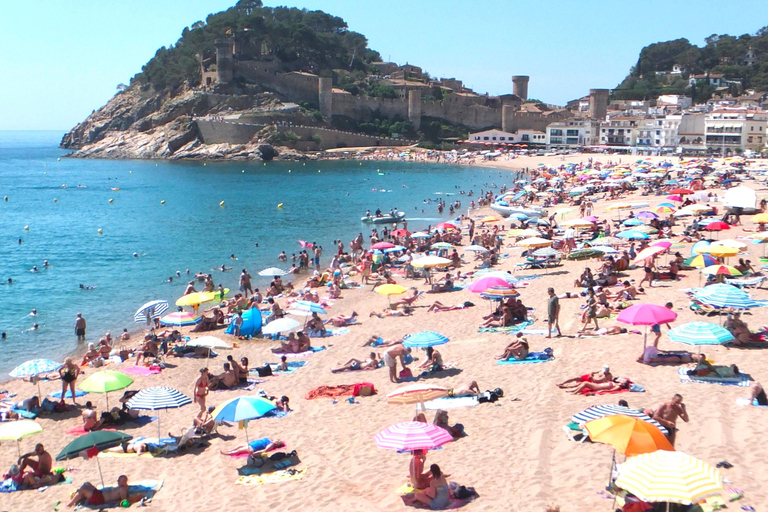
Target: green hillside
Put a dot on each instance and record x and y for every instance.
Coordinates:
(722, 54)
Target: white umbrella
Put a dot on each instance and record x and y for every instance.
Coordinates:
(273, 272)
(281, 325)
(209, 342)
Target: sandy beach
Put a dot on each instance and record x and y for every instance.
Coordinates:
(515, 455)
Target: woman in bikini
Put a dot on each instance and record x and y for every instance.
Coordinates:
(612, 385)
(201, 390)
(69, 373)
(355, 364)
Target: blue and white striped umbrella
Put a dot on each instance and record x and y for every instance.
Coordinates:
(305, 305)
(424, 339)
(700, 333)
(153, 309)
(158, 398)
(599, 411)
(35, 367)
(726, 296)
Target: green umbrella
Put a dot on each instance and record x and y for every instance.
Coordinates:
(100, 439)
(584, 254)
(106, 381)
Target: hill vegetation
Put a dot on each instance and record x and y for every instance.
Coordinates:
(722, 54)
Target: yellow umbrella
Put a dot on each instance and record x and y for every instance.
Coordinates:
(390, 289)
(722, 252)
(760, 218)
(18, 430)
(578, 223)
(489, 218)
(534, 242)
(618, 206)
(431, 261)
(195, 299)
(735, 244)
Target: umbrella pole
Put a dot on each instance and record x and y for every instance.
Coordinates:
(40, 393)
(100, 475)
(18, 447)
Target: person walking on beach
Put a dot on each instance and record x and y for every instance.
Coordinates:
(553, 313)
(667, 415)
(80, 327)
(201, 390)
(245, 283)
(656, 328)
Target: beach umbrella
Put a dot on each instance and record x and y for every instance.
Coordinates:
(382, 245)
(197, 298)
(518, 216)
(664, 209)
(663, 243)
(488, 219)
(273, 272)
(648, 252)
(476, 248)
(156, 398)
(431, 261)
(105, 382)
(537, 222)
(445, 226)
(400, 232)
(180, 318)
(209, 342)
(487, 272)
(675, 197)
(306, 305)
(529, 232)
(618, 206)
(424, 339)
(632, 234)
(700, 333)
(150, 310)
(442, 245)
(396, 248)
(534, 242)
(628, 435)
(681, 191)
(671, 477)
(584, 254)
(722, 252)
(93, 442)
(605, 249)
(760, 218)
(412, 435)
(420, 234)
(724, 270)
(280, 325)
(243, 408)
(717, 226)
(646, 314)
(606, 240)
(726, 296)
(632, 222)
(33, 368)
(485, 282)
(18, 430)
(599, 411)
(735, 244)
(700, 247)
(416, 394)
(700, 261)
(499, 293)
(668, 205)
(545, 252)
(389, 290)
(578, 223)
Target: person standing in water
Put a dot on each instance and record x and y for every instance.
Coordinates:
(80, 327)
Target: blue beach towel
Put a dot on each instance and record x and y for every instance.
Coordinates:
(742, 380)
(744, 402)
(57, 394)
(533, 357)
(292, 367)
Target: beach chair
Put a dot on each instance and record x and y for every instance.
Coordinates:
(575, 432)
(755, 282)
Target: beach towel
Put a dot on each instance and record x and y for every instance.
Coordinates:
(744, 402)
(331, 391)
(276, 413)
(11, 486)
(406, 488)
(270, 466)
(283, 475)
(328, 333)
(534, 332)
(57, 394)
(146, 487)
(118, 455)
(533, 357)
(80, 431)
(305, 353)
(510, 329)
(141, 370)
(446, 403)
(742, 380)
(292, 367)
(143, 420)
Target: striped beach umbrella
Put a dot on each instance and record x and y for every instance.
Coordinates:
(179, 318)
(159, 397)
(726, 296)
(412, 435)
(671, 477)
(499, 293)
(306, 305)
(424, 339)
(416, 394)
(700, 261)
(700, 333)
(150, 310)
(599, 411)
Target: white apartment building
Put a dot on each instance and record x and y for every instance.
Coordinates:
(620, 131)
(735, 130)
(499, 136)
(572, 134)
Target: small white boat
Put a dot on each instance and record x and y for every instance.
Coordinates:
(383, 219)
(506, 211)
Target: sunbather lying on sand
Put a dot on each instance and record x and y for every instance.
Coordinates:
(377, 341)
(652, 355)
(438, 306)
(254, 447)
(705, 369)
(342, 321)
(406, 311)
(471, 389)
(97, 497)
(355, 364)
(603, 375)
(614, 385)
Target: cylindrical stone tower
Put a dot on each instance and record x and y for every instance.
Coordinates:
(414, 108)
(325, 97)
(520, 86)
(598, 104)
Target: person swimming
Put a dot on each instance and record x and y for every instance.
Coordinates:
(84, 287)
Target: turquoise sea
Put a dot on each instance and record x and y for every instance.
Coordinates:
(322, 202)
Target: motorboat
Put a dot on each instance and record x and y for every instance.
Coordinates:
(390, 218)
(505, 210)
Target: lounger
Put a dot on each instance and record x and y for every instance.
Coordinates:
(755, 282)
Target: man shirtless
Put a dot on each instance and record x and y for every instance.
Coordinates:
(471, 389)
(225, 380)
(90, 419)
(97, 497)
(390, 359)
(42, 466)
(667, 415)
(597, 377)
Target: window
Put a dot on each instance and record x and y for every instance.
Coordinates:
(502, 138)
(494, 138)
(556, 133)
(657, 142)
(572, 133)
(658, 132)
(485, 138)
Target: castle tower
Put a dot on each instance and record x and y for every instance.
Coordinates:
(507, 118)
(598, 104)
(414, 108)
(520, 86)
(325, 97)
(225, 61)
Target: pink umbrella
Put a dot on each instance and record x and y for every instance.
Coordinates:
(674, 198)
(412, 435)
(662, 243)
(646, 314)
(482, 284)
(649, 252)
(382, 245)
(591, 218)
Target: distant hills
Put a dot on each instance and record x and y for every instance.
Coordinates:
(666, 68)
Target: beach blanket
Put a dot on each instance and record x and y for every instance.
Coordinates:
(80, 431)
(742, 380)
(276, 413)
(283, 475)
(146, 487)
(292, 367)
(270, 466)
(141, 370)
(57, 394)
(744, 402)
(451, 403)
(305, 353)
(533, 357)
(329, 333)
(11, 486)
(331, 391)
(510, 329)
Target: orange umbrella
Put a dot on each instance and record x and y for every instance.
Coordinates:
(628, 435)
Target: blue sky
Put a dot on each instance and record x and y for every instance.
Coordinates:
(61, 60)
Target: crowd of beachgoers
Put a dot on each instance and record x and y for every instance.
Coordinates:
(438, 368)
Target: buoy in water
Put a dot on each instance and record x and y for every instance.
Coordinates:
(130, 172)
(100, 231)
(280, 205)
(46, 172)
(243, 170)
(26, 228)
(162, 202)
(221, 203)
(305, 163)
(55, 200)
(6, 199)
(59, 159)
(111, 200)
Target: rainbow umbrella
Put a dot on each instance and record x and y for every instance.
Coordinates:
(724, 270)
(179, 318)
(700, 261)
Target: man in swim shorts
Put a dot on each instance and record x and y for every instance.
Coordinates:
(390, 359)
(96, 497)
(80, 327)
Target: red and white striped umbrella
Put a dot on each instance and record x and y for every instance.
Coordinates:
(412, 435)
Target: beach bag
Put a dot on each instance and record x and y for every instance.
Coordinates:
(406, 373)
(264, 371)
(363, 389)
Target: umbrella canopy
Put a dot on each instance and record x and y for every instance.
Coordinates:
(701, 261)
(101, 439)
(632, 222)
(499, 293)
(401, 232)
(431, 261)
(416, 393)
(700, 333)
(584, 254)
(446, 226)
(35, 367)
(424, 339)
(534, 242)
(18, 430)
(382, 245)
(545, 252)
(485, 282)
(664, 209)
(442, 245)
(645, 214)
(273, 272)
(489, 218)
(725, 270)
(197, 298)
(618, 206)
(735, 244)
(628, 435)
(518, 216)
(420, 234)
(681, 191)
(760, 218)
(243, 408)
(529, 232)
(722, 252)
(412, 435)
(632, 234)
(180, 318)
(599, 411)
(150, 310)
(280, 325)
(578, 223)
(390, 289)
(717, 226)
(648, 252)
(105, 382)
(306, 305)
(646, 314)
(476, 248)
(726, 296)
(158, 398)
(209, 342)
(666, 476)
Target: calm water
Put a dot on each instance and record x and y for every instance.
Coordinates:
(322, 202)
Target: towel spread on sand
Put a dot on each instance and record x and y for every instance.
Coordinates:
(744, 402)
(118, 455)
(305, 353)
(292, 367)
(11, 486)
(146, 487)
(80, 431)
(446, 403)
(57, 394)
(742, 380)
(509, 329)
(272, 478)
(329, 333)
(331, 391)
(141, 370)
(533, 357)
